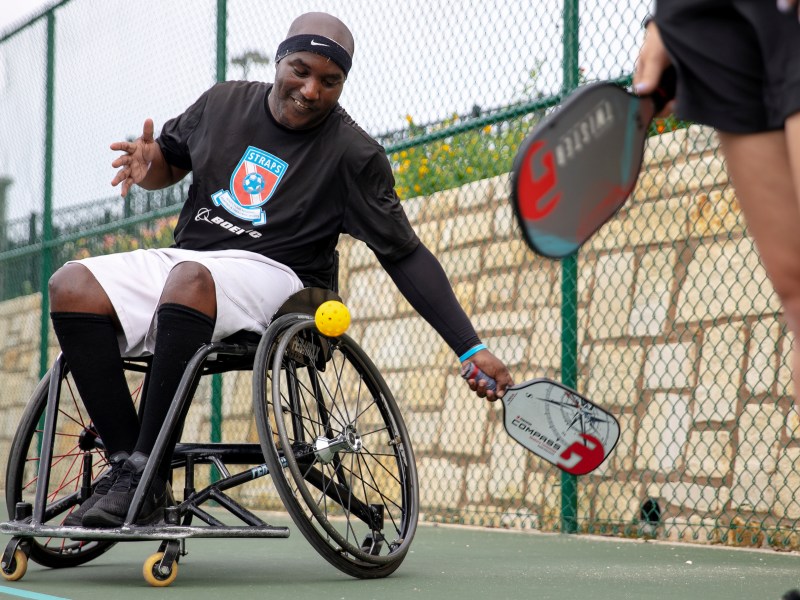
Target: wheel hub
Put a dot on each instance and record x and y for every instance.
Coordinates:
(348, 441)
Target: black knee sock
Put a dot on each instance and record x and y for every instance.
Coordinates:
(181, 331)
(89, 343)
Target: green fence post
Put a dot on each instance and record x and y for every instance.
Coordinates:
(47, 209)
(569, 281)
(216, 379)
(5, 182)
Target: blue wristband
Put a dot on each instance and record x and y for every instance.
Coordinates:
(471, 351)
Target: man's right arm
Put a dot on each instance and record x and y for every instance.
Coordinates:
(144, 164)
(161, 174)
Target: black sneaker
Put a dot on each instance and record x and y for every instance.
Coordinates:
(111, 509)
(75, 518)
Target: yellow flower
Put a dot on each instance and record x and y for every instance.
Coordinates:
(487, 129)
(423, 170)
(470, 170)
(404, 154)
(446, 147)
(410, 119)
(417, 188)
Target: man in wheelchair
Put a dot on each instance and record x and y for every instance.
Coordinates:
(279, 172)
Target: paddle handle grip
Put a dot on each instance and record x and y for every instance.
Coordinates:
(470, 371)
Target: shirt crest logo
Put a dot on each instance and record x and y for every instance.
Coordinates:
(253, 182)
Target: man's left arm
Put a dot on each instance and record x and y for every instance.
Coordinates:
(375, 216)
(421, 279)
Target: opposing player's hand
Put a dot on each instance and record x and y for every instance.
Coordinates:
(135, 163)
(494, 368)
(650, 65)
(789, 6)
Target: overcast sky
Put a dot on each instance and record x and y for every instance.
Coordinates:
(15, 12)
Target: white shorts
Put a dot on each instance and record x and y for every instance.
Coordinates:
(249, 289)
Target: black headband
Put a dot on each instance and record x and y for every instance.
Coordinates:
(318, 44)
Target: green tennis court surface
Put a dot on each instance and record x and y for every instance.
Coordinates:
(445, 562)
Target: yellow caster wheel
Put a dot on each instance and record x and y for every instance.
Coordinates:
(159, 575)
(18, 567)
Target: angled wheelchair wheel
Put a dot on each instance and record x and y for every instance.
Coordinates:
(337, 448)
(75, 446)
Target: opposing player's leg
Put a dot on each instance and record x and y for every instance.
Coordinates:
(765, 169)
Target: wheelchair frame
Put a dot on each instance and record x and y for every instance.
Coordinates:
(330, 435)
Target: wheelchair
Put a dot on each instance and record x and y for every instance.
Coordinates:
(330, 436)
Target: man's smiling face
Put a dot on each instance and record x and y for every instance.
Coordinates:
(307, 87)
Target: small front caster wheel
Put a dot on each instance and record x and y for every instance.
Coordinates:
(18, 567)
(159, 575)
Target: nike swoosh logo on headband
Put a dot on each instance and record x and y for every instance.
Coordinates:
(313, 43)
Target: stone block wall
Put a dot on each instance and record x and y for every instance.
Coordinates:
(679, 334)
(19, 363)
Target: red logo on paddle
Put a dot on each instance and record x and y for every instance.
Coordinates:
(579, 459)
(535, 193)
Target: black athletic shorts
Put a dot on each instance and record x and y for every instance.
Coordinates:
(738, 62)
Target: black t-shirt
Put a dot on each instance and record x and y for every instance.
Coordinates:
(286, 194)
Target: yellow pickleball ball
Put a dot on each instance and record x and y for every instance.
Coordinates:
(332, 318)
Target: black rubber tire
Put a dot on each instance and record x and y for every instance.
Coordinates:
(377, 469)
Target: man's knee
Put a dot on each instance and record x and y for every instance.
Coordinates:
(191, 284)
(191, 276)
(73, 288)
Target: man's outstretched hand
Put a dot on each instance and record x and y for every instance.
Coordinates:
(135, 163)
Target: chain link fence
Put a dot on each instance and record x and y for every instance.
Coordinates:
(666, 318)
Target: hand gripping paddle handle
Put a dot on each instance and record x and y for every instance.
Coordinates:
(665, 90)
(470, 371)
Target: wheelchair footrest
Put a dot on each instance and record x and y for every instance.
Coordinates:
(156, 531)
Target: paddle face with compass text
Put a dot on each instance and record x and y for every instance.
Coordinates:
(559, 425)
